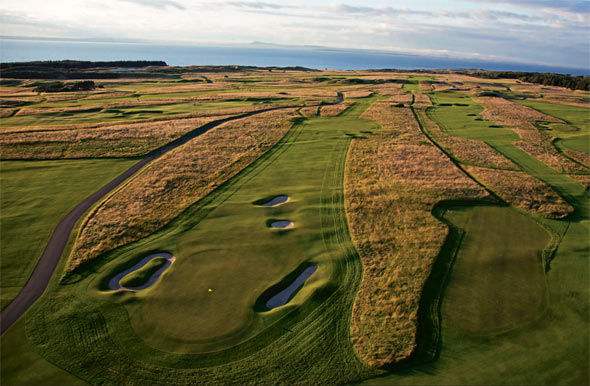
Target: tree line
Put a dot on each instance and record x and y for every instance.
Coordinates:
(545, 78)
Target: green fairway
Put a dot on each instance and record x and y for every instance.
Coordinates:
(412, 83)
(498, 280)
(504, 320)
(35, 196)
(575, 134)
(577, 143)
(576, 116)
(458, 115)
(201, 313)
(22, 364)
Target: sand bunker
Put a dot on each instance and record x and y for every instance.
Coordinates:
(276, 201)
(282, 224)
(115, 285)
(281, 298)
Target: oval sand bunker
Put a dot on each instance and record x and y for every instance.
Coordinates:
(115, 285)
(284, 296)
(278, 200)
(282, 224)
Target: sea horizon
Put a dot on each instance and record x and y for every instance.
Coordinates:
(13, 49)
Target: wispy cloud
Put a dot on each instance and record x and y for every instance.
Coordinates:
(254, 4)
(380, 11)
(159, 4)
(577, 6)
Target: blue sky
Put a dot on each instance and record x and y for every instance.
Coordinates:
(551, 32)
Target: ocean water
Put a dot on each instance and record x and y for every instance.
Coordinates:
(13, 50)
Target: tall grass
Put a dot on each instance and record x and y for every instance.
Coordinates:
(394, 179)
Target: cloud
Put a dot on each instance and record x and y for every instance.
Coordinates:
(254, 4)
(159, 4)
(380, 11)
(578, 6)
(572, 11)
(476, 15)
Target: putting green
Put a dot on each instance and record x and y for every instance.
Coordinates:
(574, 135)
(35, 196)
(577, 143)
(178, 328)
(576, 116)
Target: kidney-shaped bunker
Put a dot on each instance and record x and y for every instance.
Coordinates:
(146, 277)
(281, 293)
(274, 201)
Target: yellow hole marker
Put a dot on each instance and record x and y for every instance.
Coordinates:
(210, 290)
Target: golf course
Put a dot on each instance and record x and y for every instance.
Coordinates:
(221, 225)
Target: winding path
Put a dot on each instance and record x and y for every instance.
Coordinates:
(41, 276)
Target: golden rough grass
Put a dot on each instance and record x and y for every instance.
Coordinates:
(78, 126)
(405, 98)
(551, 158)
(124, 140)
(426, 86)
(333, 110)
(388, 89)
(521, 119)
(421, 100)
(579, 156)
(393, 179)
(173, 182)
(6, 112)
(358, 93)
(514, 116)
(112, 105)
(583, 179)
(465, 150)
(309, 111)
(524, 191)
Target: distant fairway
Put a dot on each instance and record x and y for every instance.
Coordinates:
(577, 143)
(35, 196)
(412, 83)
(459, 115)
(578, 117)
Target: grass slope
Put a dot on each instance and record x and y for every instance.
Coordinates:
(35, 196)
